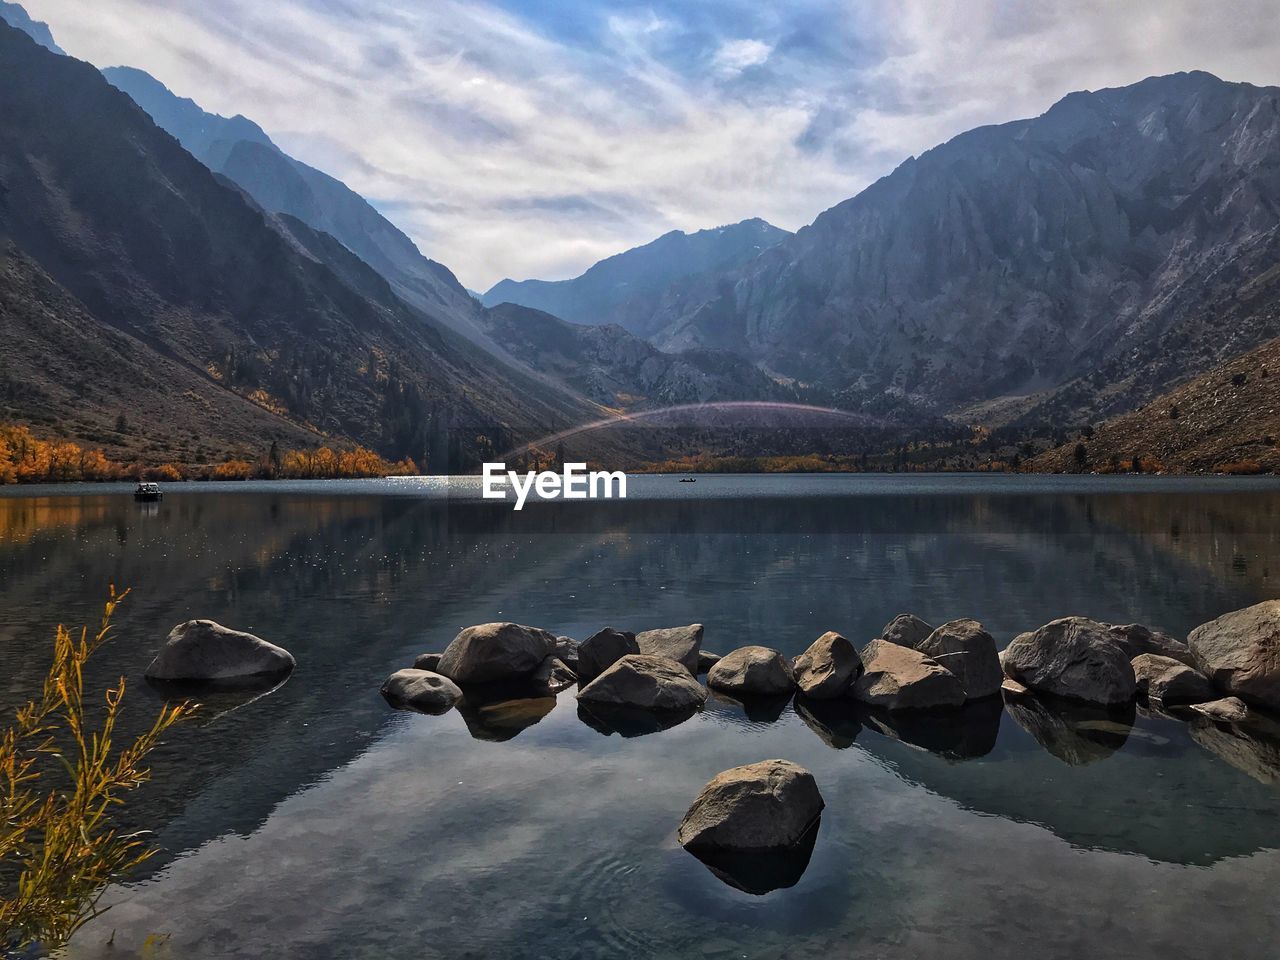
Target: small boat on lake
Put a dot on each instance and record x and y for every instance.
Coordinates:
(147, 492)
(688, 479)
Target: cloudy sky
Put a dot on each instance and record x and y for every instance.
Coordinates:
(530, 138)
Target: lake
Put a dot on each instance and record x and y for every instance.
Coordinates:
(316, 822)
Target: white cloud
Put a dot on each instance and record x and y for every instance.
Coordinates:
(510, 147)
(734, 56)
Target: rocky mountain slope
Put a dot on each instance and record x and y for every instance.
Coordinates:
(629, 288)
(239, 149)
(1082, 260)
(1225, 420)
(183, 294)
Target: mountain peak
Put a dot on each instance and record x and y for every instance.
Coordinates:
(16, 16)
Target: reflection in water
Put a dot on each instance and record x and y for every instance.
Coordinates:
(629, 722)
(961, 734)
(1252, 746)
(754, 709)
(217, 698)
(357, 585)
(834, 721)
(761, 872)
(1075, 732)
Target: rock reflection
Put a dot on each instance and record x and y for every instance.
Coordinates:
(630, 721)
(965, 733)
(834, 721)
(755, 709)
(761, 872)
(501, 712)
(1252, 746)
(1076, 732)
(217, 698)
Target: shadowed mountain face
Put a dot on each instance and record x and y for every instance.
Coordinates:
(101, 208)
(1126, 230)
(632, 287)
(239, 149)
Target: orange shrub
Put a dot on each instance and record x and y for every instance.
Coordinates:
(233, 470)
(1240, 467)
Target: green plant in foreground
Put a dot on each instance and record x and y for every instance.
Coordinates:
(59, 848)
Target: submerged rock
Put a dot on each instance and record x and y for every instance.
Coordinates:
(707, 660)
(906, 630)
(1135, 639)
(205, 650)
(646, 682)
(1228, 709)
(827, 668)
(1170, 681)
(495, 652)
(603, 649)
(1240, 653)
(421, 690)
(752, 671)
(1071, 657)
(896, 677)
(682, 644)
(966, 649)
(763, 806)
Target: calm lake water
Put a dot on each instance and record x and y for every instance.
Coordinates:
(316, 822)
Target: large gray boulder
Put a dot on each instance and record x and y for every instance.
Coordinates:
(827, 668)
(427, 661)
(205, 650)
(906, 630)
(707, 660)
(421, 690)
(552, 676)
(966, 649)
(1240, 653)
(1072, 657)
(1135, 639)
(759, 807)
(601, 650)
(645, 682)
(567, 652)
(682, 644)
(752, 672)
(896, 677)
(1170, 681)
(492, 652)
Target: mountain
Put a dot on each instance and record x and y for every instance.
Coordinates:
(1225, 420)
(628, 288)
(239, 149)
(37, 30)
(1078, 262)
(138, 282)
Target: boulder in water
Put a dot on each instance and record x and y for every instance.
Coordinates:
(682, 644)
(603, 649)
(421, 690)
(896, 677)
(1226, 710)
(1240, 653)
(645, 682)
(495, 652)
(1071, 657)
(763, 806)
(1170, 681)
(752, 671)
(966, 649)
(205, 650)
(906, 630)
(827, 668)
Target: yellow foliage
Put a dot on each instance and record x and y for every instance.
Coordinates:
(233, 470)
(59, 848)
